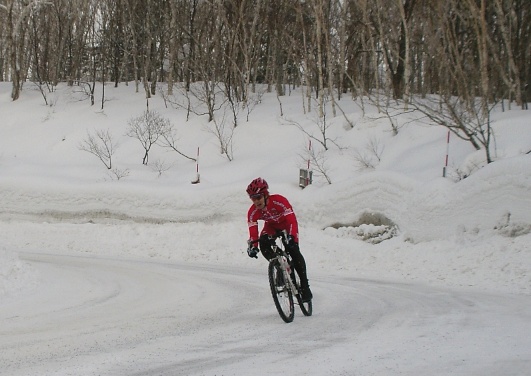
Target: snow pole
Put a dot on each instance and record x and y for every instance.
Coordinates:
(447, 150)
(309, 155)
(305, 175)
(197, 177)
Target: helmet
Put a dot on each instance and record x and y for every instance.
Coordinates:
(258, 186)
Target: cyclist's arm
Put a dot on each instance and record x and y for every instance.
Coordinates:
(252, 223)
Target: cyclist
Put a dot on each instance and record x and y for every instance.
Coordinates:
(277, 214)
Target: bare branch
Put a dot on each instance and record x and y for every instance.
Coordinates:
(148, 128)
(101, 145)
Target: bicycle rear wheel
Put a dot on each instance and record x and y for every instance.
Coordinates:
(282, 295)
(306, 307)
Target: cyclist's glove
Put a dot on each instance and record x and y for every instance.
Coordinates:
(252, 251)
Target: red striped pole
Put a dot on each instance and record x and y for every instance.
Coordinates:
(309, 154)
(309, 151)
(197, 162)
(197, 177)
(447, 150)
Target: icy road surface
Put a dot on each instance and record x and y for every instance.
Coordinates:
(98, 316)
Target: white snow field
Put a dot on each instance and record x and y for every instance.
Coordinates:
(148, 274)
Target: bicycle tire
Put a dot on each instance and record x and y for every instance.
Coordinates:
(282, 295)
(306, 307)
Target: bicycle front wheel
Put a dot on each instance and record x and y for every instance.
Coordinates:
(281, 292)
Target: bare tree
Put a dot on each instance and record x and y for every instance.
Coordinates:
(479, 25)
(160, 166)
(202, 98)
(392, 112)
(319, 160)
(118, 174)
(506, 20)
(101, 145)
(169, 140)
(224, 132)
(468, 122)
(371, 156)
(148, 128)
(322, 125)
(319, 34)
(18, 14)
(398, 48)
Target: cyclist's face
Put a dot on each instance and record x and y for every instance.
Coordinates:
(258, 201)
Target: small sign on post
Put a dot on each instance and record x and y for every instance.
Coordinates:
(305, 178)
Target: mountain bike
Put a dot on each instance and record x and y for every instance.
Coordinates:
(284, 281)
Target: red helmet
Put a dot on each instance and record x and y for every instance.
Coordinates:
(258, 186)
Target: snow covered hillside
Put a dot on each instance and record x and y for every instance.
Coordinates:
(56, 197)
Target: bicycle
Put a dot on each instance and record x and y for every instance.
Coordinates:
(285, 282)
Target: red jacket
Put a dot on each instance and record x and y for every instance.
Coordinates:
(278, 215)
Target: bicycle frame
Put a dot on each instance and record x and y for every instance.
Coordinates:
(284, 291)
(284, 261)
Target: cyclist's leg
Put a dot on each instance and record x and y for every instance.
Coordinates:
(265, 243)
(300, 266)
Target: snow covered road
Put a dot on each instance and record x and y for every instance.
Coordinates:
(102, 316)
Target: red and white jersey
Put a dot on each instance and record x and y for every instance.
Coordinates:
(278, 215)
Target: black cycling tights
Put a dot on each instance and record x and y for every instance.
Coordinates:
(298, 259)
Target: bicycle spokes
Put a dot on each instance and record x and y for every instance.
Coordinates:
(281, 292)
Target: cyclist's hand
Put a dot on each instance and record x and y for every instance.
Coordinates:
(253, 251)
